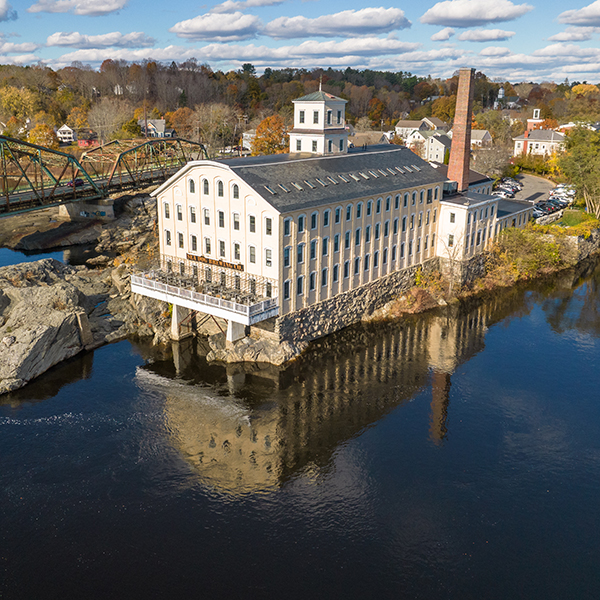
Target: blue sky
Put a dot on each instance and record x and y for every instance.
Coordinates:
(515, 41)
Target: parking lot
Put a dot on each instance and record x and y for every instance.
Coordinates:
(534, 188)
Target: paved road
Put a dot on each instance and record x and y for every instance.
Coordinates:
(534, 188)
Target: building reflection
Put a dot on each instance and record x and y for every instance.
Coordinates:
(259, 427)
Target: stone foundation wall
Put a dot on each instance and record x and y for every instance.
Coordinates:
(466, 271)
(348, 308)
(589, 246)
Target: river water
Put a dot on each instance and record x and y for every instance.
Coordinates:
(451, 455)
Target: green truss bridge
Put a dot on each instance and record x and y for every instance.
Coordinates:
(35, 177)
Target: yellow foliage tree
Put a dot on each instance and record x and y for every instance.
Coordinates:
(19, 103)
(271, 137)
(584, 89)
(77, 118)
(43, 135)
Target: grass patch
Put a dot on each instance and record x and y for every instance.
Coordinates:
(574, 222)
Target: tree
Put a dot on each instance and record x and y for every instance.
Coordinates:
(363, 124)
(43, 135)
(19, 103)
(581, 165)
(271, 137)
(107, 116)
(77, 118)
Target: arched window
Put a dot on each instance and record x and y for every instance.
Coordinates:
(192, 187)
(236, 190)
(205, 186)
(220, 189)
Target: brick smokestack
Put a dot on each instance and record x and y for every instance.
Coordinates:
(460, 151)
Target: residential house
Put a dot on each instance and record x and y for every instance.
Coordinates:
(480, 138)
(539, 142)
(156, 128)
(66, 135)
(405, 128)
(429, 145)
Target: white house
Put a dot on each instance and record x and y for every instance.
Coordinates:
(429, 145)
(66, 135)
(539, 142)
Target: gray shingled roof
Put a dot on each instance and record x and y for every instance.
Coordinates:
(319, 96)
(510, 207)
(375, 163)
(542, 135)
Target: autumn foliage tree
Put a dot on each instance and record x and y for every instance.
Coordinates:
(271, 137)
(43, 135)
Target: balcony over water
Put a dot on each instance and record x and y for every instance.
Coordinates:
(217, 291)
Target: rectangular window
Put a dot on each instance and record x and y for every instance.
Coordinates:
(376, 260)
(315, 117)
(221, 248)
(180, 239)
(356, 266)
(207, 247)
(427, 218)
(268, 226)
(179, 213)
(385, 255)
(387, 203)
(298, 145)
(300, 285)
(377, 230)
(426, 242)
(268, 257)
(386, 229)
(403, 223)
(359, 210)
(312, 282)
(287, 226)
(338, 215)
(167, 211)
(194, 243)
(167, 237)
(397, 201)
(336, 273)
(393, 253)
(221, 219)
(326, 218)
(286, 256)
(367, 234)
(347, 240)
(313, 220)
(410, 248)
(301, 224)
(452, 218)
(420, 219)
(418, 245)
(313, 249)
(252, 224)
(450, 240)
(314, 145)
(402, 250)
(429, 196)
(325, 246)
(348, 212)
(324, 277)
(252, 253)
(396, 225)
(412, 221)
(342, 145)
(236, 221)
(346, 269)
(206, 216)
(300, 253)
(301, 116)
(339, 117)
(434, 214)
(378, 211)
(357, 237)
(336, 242)
(369, 208)
(192, 214)
(367, 261)
(236, 251)
(286, 289)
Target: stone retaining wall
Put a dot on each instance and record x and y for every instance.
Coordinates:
(348, 308)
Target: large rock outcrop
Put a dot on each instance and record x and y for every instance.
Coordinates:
(50, 312)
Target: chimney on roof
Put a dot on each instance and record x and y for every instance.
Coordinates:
(460, 151)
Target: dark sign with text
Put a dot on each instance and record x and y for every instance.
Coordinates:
(216, 263)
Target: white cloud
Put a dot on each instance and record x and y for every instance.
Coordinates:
(367, 21)
(443, 35)
(11, 48)
(588, 15)
(218, 27)
(233, 5)
(473, 13)
(136, 39)
(575, 34)
(91, 8)
(494, 51)
(485, 35)
(6, 11)
(23, 59)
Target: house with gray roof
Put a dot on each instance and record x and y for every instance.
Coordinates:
(539, 142)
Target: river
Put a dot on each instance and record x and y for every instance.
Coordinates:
(450, 455)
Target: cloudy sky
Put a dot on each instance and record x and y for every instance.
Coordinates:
(518, 41)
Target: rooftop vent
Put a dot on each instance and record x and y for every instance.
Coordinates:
(344, 179)
(332, 180)
(284, 188)
(298, 187)
(309, 184)
(270, 190)
(321, 182)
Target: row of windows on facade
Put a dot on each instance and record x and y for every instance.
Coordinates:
(220, 218)
(221, 248)
(377, 206)
(481, 233)
(328, 117)
(369, 232)
(482, 215)
(235, 188)
(366, 266)
(208, 277)
(314, 145)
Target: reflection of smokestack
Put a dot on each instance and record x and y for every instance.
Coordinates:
(440, 397)
(460, 152)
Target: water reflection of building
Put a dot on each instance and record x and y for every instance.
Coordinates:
(305, 412)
